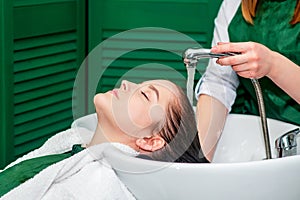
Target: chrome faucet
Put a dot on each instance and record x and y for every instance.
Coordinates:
(286, 144)
(191, 57)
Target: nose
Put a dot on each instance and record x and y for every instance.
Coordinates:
(127, 85)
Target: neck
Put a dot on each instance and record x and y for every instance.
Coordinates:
(98, 137)
(106, 132)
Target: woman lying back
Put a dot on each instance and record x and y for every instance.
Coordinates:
(153, 118)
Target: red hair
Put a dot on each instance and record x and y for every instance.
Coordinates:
(249, 10)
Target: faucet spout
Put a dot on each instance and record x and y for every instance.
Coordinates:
(191, 56)
(286, 144)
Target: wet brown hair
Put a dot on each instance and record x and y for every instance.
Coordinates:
(180, 133)
(249, 10)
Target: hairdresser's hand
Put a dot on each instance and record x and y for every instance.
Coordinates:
(254, 61)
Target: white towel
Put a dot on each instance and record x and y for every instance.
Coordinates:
(59, 143)
(86, 175)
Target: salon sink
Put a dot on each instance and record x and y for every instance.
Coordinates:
(238, 171)
(242, 139)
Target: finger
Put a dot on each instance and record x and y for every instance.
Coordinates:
(245, 70)
(249, 74)
(186, 61)
(220, 43)
(241, 67)
(233, 60)
(240, 47)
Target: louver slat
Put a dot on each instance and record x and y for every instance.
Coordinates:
(39, 93)
(42, 112)
(44, 61)
(44, 41)
(27, 127)
(43, 82)
(37, 138)
(44, 71)
(44, 51)
(42, 102)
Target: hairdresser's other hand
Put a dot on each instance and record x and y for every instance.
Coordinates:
(254, 61)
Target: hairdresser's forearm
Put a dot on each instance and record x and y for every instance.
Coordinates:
(211, 116)
(286, 75)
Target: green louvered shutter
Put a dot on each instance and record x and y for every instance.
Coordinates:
(6, 83)
(48, 48)
(193, 18)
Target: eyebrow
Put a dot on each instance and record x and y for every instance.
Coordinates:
(155, 90)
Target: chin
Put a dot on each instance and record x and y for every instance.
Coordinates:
(102, 100)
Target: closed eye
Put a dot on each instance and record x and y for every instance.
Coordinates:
(144, 94)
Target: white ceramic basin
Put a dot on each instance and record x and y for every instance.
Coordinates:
(242, 139)
(238, 170)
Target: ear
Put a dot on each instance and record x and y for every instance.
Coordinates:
(150, 144)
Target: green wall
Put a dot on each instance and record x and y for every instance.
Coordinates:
(43, 44)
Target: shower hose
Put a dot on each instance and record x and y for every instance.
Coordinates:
(263, 118)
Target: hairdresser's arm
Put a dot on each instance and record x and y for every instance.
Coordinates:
(217, 85)
(256, 61)
(211, 116)
(286, 75)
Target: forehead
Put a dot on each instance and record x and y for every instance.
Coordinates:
(163, 85)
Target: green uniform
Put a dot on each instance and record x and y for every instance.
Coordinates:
(272, 29)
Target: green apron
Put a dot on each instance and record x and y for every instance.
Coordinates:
(272, 29)
(21, 172)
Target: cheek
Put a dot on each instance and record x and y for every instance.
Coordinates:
(157, 114)
(139, 113)
(131, 116)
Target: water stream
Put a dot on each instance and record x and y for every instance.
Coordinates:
(190, 83)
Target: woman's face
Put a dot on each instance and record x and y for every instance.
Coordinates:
(136, 109)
